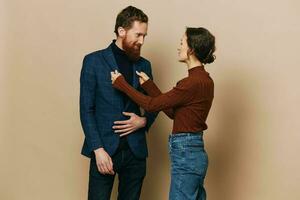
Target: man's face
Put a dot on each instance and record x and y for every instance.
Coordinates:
(134, 39)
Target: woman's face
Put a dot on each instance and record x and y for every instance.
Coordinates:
(183, 49)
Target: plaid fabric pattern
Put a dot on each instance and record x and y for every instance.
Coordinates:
(101, 105)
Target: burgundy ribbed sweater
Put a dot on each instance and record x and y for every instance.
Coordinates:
(188, 103)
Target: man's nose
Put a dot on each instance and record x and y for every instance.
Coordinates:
(141, 40)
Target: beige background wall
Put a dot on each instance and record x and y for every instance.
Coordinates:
(253, 136)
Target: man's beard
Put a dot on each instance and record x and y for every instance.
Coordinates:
(132, 51)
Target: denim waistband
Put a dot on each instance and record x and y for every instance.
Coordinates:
(186, 134)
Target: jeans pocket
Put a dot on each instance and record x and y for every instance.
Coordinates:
(178, 161)
(196, 161)
(195, 144)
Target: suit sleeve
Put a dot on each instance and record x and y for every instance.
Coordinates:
(88, 86)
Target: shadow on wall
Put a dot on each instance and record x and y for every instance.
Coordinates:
(156, 184)
(229, 131)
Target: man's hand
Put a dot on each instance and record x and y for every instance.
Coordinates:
(128, 126)
(104, 162)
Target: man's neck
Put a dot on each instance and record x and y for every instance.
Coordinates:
(119, 43)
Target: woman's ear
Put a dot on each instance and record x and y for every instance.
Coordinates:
(121, 32)
(190, 52)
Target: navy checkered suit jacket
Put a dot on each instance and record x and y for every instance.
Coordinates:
(101, 105)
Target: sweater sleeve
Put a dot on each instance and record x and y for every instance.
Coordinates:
(179, 95)
(152, 90)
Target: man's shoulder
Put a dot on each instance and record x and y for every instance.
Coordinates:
(94, 54)
(145, 62)
(142, 59)
(97, 56)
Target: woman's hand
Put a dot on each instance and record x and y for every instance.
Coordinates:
(142, 77)
(114, 75)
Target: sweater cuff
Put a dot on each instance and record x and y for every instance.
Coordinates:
(119, 82)
(147, 84)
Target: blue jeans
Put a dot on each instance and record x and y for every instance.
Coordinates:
(189, 164)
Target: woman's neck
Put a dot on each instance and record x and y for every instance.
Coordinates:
(193, 62)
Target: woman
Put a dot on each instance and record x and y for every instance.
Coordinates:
(188, 104)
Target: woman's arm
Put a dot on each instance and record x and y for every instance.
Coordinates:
(152, 90)
(175, 97)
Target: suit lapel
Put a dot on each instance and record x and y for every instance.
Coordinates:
(135, 80)
(110, 59)
(112, 64)
(136, 67)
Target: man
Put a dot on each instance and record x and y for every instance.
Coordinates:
(113, 126)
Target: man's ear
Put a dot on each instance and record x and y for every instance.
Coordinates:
(121, 32)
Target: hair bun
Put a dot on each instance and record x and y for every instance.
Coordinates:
(209, 59)
(202, 42)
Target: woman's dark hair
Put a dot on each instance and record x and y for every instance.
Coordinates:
(127, 16)
(202, 43)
